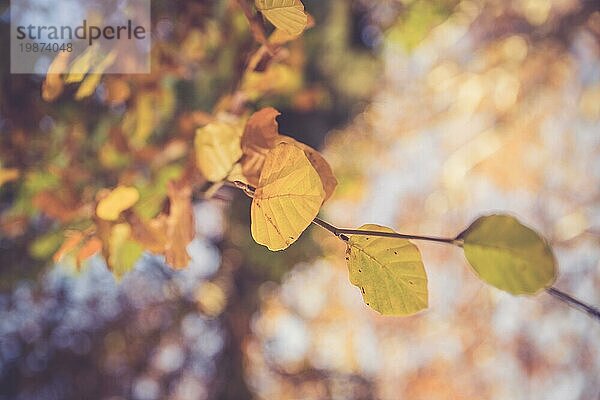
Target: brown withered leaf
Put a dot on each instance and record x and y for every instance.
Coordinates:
(261, 131)
(262, 134)
(179, 223)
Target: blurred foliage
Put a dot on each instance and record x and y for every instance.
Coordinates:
(132, 130)
(486, 73)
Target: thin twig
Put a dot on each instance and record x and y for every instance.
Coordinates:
(256, 26)
(343, 233)
(573, 302)
(326, 225)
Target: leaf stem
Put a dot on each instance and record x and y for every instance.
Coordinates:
(574, 303)
(339, 232)
(326, 225)
(256, 26)
(343, 233)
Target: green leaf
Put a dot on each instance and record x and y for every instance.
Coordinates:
(44, 246)
(508, 255)
(124, 252)
(388, 271)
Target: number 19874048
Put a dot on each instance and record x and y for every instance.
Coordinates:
(43, 47)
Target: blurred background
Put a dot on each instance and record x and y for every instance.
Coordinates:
(431, 113)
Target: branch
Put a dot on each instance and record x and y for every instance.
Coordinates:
(343, 233)
(574, 303)
(256, 26)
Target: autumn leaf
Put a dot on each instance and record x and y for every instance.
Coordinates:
(217, 148)
(287, 15)
(261, 131)
(8, 175)
(91, 81)
(179, 225)
(143, 120)
(168, 234)
(508, 255)
(288, 197)
(118, 200)
(89, 248)
(85, 245)
(319, 164)
(123, 251)
(117, 91)
(211, 298)
(53, 83)
(73, 239)
(262, 134)
(81, 66)
(388, 271)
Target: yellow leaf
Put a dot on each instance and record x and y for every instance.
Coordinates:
(509, 255)
(118, 200)
(81, 66)
(287, 15)
(53, 84)
(388, 271)
(319, 164)
(280, 37)
(211, 299)
(217, 149)
(236, 174)
(123, 252)
(8, 175)
(288, 197)
(145, 119)
(88, 86)
(262, 134)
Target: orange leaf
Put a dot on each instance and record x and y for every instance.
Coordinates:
(73, 238)
(262, 134)
(53, 84)
(261, 131)
(90, 248)
(180, 224)
(8, 175)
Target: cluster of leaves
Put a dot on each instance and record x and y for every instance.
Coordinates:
(288, 181)
(294, 181)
